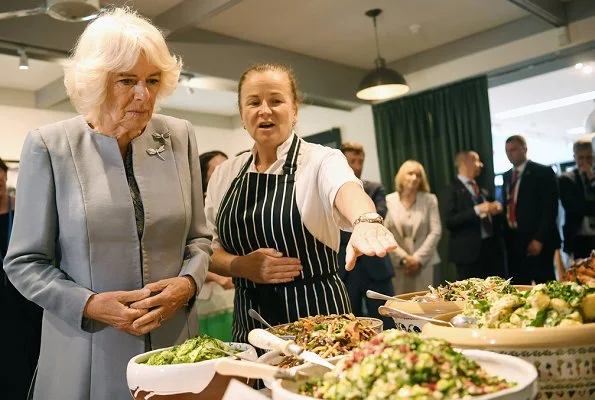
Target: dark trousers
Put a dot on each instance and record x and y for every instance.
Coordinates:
(489, 263)
(524, 269)
(356, 290)
(582, 246)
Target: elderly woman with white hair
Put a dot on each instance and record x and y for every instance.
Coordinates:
(109, 234)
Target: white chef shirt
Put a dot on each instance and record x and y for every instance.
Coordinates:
(320, 173)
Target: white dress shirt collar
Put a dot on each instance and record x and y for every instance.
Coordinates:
(282, 149)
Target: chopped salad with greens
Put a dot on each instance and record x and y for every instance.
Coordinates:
(400, 365)
(545, 305)
(471, 289)
(193, 350)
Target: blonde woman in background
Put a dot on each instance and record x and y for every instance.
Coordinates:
(414, 220)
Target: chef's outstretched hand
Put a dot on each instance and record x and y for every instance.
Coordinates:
(371, 239)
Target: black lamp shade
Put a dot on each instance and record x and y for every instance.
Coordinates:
(381, 84)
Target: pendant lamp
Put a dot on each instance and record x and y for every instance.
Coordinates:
(382, 83)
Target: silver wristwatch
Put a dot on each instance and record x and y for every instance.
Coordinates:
(371, 217)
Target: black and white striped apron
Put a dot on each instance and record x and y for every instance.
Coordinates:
(260, 211)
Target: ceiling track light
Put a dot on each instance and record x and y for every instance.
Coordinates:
(382, 83)
(23, 59)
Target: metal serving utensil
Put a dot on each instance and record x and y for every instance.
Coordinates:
(266, 340)
(256, 316)
(458, 321)
(379, 296)
(255, 370)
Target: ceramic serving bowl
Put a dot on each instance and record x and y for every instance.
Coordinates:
(511, 368)
(374, 323)
(193, 381)
(564, 356)
(429, 309)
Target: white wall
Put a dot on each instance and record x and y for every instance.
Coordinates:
(212, 132)
(17, 121)
(356, 126)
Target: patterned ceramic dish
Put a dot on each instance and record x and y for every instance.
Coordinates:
(503, 366)
(564, 356)
(195, 381)
(429, 309)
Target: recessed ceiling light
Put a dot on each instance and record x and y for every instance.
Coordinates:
(578, 65)
(547, 105)
(579, 130)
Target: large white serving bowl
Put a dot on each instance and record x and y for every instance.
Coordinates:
(510, 368)
(179, 379)
(564, 355)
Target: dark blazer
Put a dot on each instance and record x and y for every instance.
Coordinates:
(368, 268)
(464, 224)
(537, 204)
(576, 207)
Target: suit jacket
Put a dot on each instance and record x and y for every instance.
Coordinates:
(367, 268)
(464, 224)
(537, 204)
(75, 235)
(576, 207)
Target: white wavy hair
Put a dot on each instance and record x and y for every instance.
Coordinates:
(112, 43)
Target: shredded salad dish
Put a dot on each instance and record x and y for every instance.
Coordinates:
(545, 305)
(200, 348)
(400, 365)
(326, 335)
(471, 289)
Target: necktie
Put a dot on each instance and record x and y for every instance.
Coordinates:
(511, 199)
(475, 188)
(486, 222)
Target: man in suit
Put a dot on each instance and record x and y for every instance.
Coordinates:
(372, 273)
(531, 232)
(577, 192)
(474, 220)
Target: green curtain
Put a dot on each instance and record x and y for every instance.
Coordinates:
(431, 127)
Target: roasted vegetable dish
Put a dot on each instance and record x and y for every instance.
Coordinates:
(193, 350)
(545, 305)
(471, 289)
(401, 365)
(582, 271)
(326, 335)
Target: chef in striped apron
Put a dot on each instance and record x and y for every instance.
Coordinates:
(276, 212)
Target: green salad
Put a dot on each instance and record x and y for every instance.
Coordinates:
(545, 305)
(471, 289)
(193, 350)
(400, 365)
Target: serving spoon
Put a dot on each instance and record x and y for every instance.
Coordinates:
(379, 296)
(256, 370)
(458, 321)
(256, 316)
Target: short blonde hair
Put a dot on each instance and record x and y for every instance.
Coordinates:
(113, 43)
(424, 186)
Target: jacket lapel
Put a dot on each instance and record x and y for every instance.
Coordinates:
(106, 197)
(420, 207)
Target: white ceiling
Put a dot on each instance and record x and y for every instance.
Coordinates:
(546, 131)
(551, 124)
(340, 31)
(39, 74)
